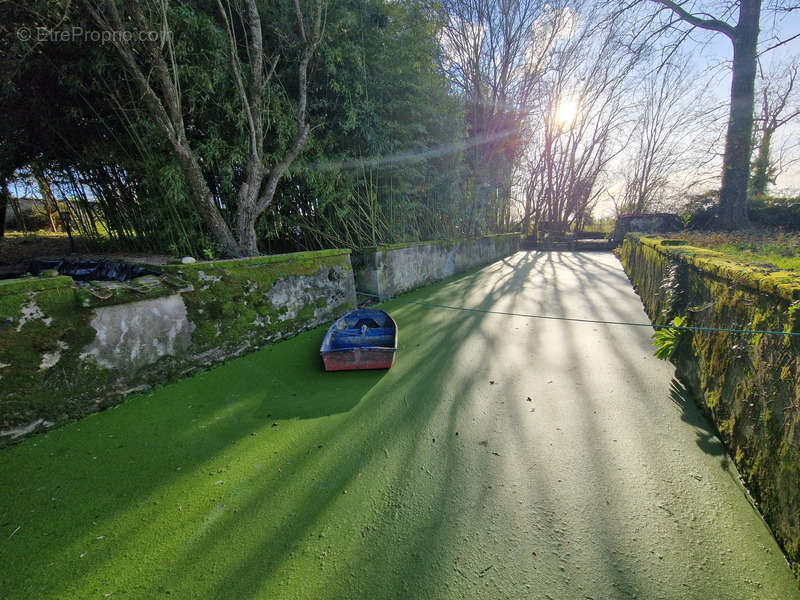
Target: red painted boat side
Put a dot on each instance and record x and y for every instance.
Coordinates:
(359, 358)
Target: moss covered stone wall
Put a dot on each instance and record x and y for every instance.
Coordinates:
(393, 269)
(68, 350)
(748, 384)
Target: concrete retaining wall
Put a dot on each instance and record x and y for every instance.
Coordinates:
(390, 270)
(68, 350)
(748, 384)
(646, 223)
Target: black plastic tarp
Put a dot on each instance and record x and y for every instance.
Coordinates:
(92, 270)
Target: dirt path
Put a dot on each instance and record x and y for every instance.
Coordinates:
(501, 457)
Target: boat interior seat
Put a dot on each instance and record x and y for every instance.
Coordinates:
(370, 323)
(375, 331)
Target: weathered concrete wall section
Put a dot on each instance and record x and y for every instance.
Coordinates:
(391, 270)
(646, 223)
(66, 351)
(238, 305)
(748, 384)
(137, 334)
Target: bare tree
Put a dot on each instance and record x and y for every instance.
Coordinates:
(574, 132)
(153, 67)
(495, 52)
(780, 104)
(660, 137)
(744, 38)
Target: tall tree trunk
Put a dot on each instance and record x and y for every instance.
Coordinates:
(761, 175)
(50, 204)
(159, 86)
(246, 217)
(738, 143)
(204, 201)
(3, 206)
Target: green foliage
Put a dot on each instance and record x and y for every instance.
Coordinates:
(701, 210)
(666, 339)
(764, 211)
(383, 163)
(775, 212)
(369, 176)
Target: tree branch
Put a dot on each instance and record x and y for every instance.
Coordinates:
(237, 74)
(779, 44)
(708, 24)
(277, 171)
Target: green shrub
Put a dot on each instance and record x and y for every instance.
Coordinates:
(764, 211)
(666, 339)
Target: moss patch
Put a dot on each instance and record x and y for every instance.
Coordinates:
(784, 284)
(234, 306)
(47, 326)
(33, 284)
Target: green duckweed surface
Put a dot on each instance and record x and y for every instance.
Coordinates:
(500, 457)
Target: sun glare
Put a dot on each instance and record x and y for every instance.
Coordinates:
(566, 111)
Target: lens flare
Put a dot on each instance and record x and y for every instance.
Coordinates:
(566, 112)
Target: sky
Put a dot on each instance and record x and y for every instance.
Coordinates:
(711, 55)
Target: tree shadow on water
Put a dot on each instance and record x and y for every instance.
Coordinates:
(107, 467)
(707, 439)
(293, 384)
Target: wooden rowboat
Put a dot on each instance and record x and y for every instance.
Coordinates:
(361, 339)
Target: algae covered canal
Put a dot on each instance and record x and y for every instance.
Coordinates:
(501, 457)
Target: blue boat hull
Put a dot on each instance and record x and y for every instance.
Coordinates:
(361, 339)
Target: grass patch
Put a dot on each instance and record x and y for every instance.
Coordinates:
(601, 226)
(774, 249)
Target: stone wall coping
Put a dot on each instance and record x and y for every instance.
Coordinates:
(266, 259)
(783, 284)
(453, 242)
(34, 284)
